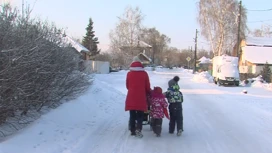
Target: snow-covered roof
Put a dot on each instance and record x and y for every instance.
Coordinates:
(144, 44)
(143, 54)
(258, 41)
(204, 60)
(258, 55)
(75, 44)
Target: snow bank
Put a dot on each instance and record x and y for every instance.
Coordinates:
(258, 82)
(203, 77)
(167, 71)
(269, 86)
(63, 129)
(188, 70)
(148, 68)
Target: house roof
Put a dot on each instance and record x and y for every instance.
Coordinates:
(140, 45)
(75, 44)
(145, 56)
(258, 41)
(144, 44)
(204, 60)
(126, 48)
(258, 55)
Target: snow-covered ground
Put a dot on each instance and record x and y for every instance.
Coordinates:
(203, 77)
(216, 120)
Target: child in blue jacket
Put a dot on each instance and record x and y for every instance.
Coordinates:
(175, 100)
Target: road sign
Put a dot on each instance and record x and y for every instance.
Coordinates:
(188, 59)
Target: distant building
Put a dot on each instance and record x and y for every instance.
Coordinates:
(85, 53)
(204, 64)
(140, 51)
(255, 52)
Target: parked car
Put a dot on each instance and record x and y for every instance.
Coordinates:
(113, 69)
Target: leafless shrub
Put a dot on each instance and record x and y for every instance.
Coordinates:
(37, 69)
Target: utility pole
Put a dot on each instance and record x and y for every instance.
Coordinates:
(191, 53)
(195, 51)
(239, 27)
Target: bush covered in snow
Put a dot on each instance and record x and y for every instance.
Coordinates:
(258, 82)
(204, 77)
(35, 72)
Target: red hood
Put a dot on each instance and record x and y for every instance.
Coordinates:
(136, 66)
(157, 92)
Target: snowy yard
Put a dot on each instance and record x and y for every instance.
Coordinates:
(216, 120)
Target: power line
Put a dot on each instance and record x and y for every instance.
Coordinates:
(260, 21)
(260, 10)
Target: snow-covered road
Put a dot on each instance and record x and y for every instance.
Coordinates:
(216, 120)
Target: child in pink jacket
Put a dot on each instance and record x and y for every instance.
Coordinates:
(158, 108)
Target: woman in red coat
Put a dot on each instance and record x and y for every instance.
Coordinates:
(138, 87)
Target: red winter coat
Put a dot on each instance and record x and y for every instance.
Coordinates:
(158, 104)
(138, 87)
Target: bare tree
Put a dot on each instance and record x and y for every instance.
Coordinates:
(104, 56)
(218, 20)
(158, 41)
(172, 55)
(184, 54)
(38, 69)
(126, 33)
(264, 31)
(201, 53)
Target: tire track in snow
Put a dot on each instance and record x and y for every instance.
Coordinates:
(237, 130)
(119, 145)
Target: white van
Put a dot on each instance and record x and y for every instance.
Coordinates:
(225, 70)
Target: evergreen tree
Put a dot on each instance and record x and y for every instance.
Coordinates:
(90, 41)
(266, 73)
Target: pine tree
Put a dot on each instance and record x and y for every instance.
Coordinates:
(90, 41)
(266, 73)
